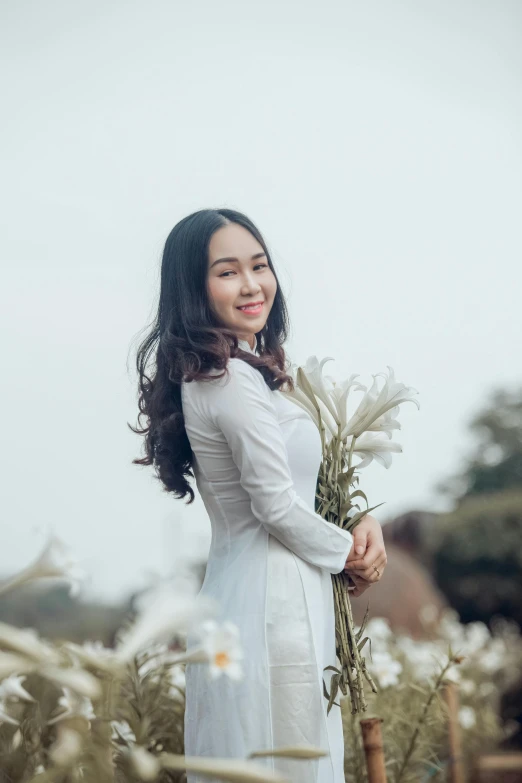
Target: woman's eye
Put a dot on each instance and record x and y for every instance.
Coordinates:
(225, 274)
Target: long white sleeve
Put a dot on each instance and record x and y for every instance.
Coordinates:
(240, 406)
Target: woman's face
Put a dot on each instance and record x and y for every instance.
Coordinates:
(238, 273)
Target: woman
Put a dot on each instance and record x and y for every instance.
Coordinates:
(217, 412)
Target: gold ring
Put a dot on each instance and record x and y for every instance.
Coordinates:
(376, 569)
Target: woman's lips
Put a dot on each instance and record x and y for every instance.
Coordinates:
(252, 310)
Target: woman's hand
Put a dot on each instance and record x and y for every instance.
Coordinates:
(367, 558)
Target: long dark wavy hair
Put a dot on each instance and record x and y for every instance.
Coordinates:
(186, 340)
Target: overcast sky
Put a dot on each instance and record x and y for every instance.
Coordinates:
(377, 147)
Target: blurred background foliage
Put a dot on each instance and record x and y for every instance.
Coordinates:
(473, 554)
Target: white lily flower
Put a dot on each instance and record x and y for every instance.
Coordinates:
(386, 423)
(220, 648)
(376, 403)
(468, 687)
(467, 717)
(385, 668)
(93, 654)
(16, 740)
(54, 561)
(25, 641)
(223, 648)
(322, 386)
(302, 400)
(177, 682)
(11, 689)
(340, 393)
(157, 655)
(425, 657)
(67, 748)
(73, 705)
(5, 717)
(330, 395)
(492, 660)
(371, 446)
(379, 631)
(453, 674)
(80, 681)
(121, 728)
(377, 411)
(166, 612)
(14, 664)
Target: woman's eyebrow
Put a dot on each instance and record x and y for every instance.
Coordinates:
(231, 259)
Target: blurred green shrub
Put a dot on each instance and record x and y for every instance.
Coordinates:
(478, 556)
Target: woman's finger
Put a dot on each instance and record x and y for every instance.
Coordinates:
(375, 572)
(371, 574)
(360, 586)
(375, 552)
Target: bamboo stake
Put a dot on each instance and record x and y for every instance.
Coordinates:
(455, 763)
(373, 749)
(497, 766)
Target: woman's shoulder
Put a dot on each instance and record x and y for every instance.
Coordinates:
(237, 373)
(236, 391)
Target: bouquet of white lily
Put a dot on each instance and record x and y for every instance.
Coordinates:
(367, 434)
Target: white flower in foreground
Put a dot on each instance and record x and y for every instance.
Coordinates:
(429, 614)
(5, 717)
(222, 648)
(376, 403)
(467, 717)
(322, 386)
(487, 689)
(146, 766)
(425, 658)
(219, 647)
(177, 682)
(16, 740)
(14, 664)
(80, 681)
(164, 613)
(92, 654)
(11, 689)
(372, 446)
(73, 705)
(453, 674)
(477, 637)
(156, 656)
(67, 748)
(121, 728)
(378, 630)
(54, 561)
(493, 658)
(468, 687)
(25, 641)
(385, 668)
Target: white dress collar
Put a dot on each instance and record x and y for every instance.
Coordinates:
(245, 346)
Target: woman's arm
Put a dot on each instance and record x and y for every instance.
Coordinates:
(241, 407)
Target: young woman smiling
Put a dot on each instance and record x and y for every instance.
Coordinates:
(216, 413)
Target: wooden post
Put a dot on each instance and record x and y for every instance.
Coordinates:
(373, 749)
(498, 768)
(455, 762)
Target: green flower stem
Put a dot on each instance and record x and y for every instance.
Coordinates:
(420, 723)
